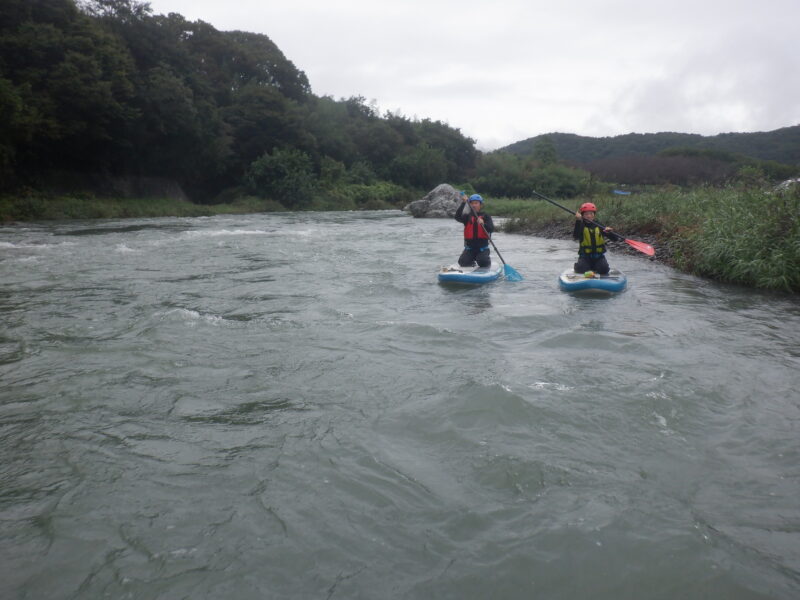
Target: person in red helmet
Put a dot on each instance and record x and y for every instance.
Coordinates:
(592, 241)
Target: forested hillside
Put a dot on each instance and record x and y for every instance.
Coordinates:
(106, 87)
(781, 145)
(93, 91)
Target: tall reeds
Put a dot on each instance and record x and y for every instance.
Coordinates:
(736, 234)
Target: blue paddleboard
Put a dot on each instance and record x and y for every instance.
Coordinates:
(458, 274)
(571, 281)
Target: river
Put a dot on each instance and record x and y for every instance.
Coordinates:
(290, 406)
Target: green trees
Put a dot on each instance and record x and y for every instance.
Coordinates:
(260, 118)
(106, 87)
(17, 125)
(420, 167)
(545, 151)
(73, 80)
(458, 152)
(283, 175)
(675, 158)
(504, 174)
(685, 167)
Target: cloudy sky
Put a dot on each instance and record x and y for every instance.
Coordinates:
(508, 70)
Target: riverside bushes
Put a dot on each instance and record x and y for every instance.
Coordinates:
(743, 236)
(735, 234)
(40, 207)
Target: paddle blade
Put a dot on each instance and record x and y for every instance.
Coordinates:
(511, 273)
(641, 247)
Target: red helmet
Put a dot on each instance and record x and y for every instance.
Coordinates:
(588, 206)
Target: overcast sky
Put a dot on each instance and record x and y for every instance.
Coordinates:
(508, 70)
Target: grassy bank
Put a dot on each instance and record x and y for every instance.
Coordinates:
(738, 235)
(36, 207)
(39, 206)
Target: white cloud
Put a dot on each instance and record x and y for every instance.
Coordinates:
(513, 69)
(746, 82)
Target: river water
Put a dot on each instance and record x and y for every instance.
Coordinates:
(290, 406)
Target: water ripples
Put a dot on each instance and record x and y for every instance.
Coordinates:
(289, 406)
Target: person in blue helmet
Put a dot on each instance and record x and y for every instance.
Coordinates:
(478, 227)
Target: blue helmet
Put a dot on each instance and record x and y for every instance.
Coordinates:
(476, 197)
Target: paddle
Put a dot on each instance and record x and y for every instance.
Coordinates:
(640, 246)
(510, 272)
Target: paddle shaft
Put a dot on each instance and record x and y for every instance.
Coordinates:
(640, 246)
(595, 223)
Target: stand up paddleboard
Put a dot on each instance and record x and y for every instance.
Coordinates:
(571, 281)
(458, 274)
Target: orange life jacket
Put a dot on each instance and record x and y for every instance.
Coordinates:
(474, 230)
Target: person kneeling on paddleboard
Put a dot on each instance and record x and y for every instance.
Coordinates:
(478, 226)
(592, 248)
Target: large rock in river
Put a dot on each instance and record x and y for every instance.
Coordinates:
(442, 202)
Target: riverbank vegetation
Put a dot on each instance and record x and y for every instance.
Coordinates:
(30, 205)
(738, 234)
(45, 207)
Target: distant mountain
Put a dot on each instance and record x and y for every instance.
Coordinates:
(781, 145)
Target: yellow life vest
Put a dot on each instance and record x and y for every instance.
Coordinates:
(593, 242)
